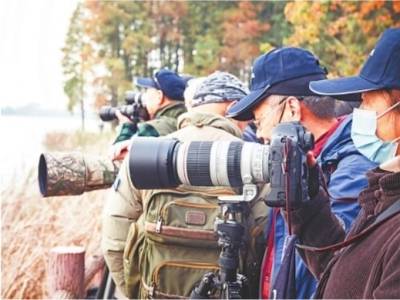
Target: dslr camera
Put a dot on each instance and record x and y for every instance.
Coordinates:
(157, 163)
(134, 109)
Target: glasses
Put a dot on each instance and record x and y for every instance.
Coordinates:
(267, 115)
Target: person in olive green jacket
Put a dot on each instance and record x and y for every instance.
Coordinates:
(164, 101)
(125, 208)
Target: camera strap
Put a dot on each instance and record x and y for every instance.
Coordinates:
(384, 216)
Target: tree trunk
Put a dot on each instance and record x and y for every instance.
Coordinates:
(66, 272)
(177, 58)
(114, 103)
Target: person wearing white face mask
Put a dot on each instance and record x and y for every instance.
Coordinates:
(376, 124)
(365, 263)
(365, 127)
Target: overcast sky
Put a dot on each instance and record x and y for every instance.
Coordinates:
(32, 33)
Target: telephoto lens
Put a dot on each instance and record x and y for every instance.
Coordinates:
(132, 97)
(74, 173)
(107, 113)
(156, 163)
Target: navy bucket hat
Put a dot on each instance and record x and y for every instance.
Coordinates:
(380, 71)
(282, 71)
(170, 83)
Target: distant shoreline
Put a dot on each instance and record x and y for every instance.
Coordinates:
(38, 112)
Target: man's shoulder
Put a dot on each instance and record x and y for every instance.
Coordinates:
(172, 110)
(163, 125)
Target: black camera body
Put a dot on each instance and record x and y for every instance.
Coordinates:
(135, 109)
(287, 165)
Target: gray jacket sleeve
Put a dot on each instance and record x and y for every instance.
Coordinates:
(123, 206)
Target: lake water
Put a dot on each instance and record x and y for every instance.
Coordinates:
(21, 141)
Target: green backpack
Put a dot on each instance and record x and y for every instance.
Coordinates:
(173, 244)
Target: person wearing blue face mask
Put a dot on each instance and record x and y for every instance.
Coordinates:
(365, 263)
(376, 123)
(378, 146)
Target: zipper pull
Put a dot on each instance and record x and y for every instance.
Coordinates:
(274, 294)
(159, 225)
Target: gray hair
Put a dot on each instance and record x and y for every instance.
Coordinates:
(322, 107)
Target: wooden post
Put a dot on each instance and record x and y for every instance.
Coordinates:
(66, 272)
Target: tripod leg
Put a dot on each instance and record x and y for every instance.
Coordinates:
(107, 286)
(206, 285)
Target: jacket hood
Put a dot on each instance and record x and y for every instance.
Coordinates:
(206, 119)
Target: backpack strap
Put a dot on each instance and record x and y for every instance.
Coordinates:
(384, 216)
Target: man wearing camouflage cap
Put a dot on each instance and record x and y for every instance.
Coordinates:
(165, 259)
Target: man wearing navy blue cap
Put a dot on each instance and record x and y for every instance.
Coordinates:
(164, 102)
(367, 264)
(280, 92)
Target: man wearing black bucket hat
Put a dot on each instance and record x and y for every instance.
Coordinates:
(279, 93)
(365, 263)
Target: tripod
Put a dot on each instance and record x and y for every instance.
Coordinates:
(227, 283)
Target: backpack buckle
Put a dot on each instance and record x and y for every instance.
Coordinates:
(159, 225)
(151, 290)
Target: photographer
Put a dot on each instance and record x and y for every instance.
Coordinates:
(367, 264)
(165, 257)
(164, 102)
(280, 93)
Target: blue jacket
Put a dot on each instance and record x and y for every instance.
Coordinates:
(344, 169)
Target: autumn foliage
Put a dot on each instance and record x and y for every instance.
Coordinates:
(120, 40)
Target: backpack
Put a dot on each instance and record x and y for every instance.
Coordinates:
(173, 243)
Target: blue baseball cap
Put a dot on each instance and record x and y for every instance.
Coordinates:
(380, 71)
(169, 82)
(282, 71)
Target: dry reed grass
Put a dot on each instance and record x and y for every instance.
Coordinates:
(32, 225)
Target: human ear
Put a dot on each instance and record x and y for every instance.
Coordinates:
(294, 108)
(160, 97)
(231, 104)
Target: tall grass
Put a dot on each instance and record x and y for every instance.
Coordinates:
(32, 225)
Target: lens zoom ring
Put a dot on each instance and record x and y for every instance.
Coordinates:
(234, 156)
(198, 163)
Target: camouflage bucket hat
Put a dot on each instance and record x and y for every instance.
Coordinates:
(219, 87)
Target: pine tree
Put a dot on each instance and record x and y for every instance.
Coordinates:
(73, 64)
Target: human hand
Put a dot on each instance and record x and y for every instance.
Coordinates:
(119, 150)
(122, 118)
